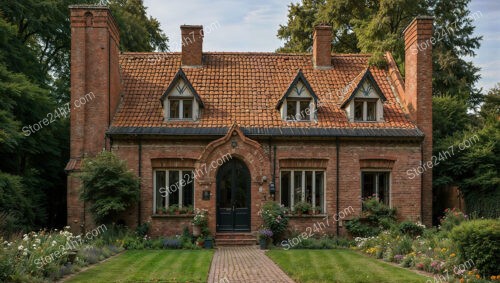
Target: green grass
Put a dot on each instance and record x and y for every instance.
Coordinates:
(151, 265)
(339, 266)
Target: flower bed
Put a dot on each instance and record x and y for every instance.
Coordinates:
(49, 255)
(434, 250)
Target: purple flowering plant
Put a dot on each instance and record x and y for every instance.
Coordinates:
(265, 233)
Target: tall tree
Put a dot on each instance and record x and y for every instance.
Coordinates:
(35, 39)
(138, 33)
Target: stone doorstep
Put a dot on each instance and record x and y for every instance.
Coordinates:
(234, 239)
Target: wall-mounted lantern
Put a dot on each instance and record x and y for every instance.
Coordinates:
(272, 188)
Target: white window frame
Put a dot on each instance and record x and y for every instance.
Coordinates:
(376, 182)
(303, 185)
(180, 188)
(365, 109)
(292, 118)
(181, 108)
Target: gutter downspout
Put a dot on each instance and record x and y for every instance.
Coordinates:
(274, 172)
(337, 145)
(140, 178)
(422, 182)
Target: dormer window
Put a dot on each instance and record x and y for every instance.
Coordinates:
(365, 103)
(180, 100)
(298, 110)
(298, 103)
(365, 109)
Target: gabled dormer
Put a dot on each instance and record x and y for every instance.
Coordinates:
(181, 101)
(299, 101)
(366, 102)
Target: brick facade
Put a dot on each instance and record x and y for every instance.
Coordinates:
(95, 67)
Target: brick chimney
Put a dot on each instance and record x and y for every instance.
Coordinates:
(95, 92)
(418, 95)
(322, 47)
(192, 45)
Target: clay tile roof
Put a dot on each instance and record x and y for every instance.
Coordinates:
(244, 88)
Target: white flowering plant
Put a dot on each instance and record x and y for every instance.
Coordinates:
(46, 255)
(200, 217)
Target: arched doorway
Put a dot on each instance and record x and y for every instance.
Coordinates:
(233, 196)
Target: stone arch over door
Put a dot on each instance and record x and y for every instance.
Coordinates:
(233, 145)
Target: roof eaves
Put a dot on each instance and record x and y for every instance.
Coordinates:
(283, 132)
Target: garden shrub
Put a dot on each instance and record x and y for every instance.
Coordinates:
(403, 246)
(411, 229)
(376, 218)
(108, 186)
(274, 218)
(143, 229)
(451, 218)
(358, 229)
(483, 203)
(479, 241)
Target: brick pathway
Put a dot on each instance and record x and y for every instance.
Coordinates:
(244, 264)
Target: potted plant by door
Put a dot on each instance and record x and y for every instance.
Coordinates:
(265, 236)
(200, 221)
(209, 242)
(200, 241)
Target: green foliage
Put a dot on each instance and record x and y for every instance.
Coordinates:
(143, 229)
(359, 229)
(449, 116)
(483, 203)
(108, 186)
(43, 256)
(137, 31)
(403, 246)
(376, 217)
(410, 228)
(17, 212)
(200, 217)
(299, 29)
(451, 218)
(302, 207)
(479, 241)
(34, 82)
(274, 218)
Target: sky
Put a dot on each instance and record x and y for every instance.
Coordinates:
(252, 25)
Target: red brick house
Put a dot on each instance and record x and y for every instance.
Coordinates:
(227, 131)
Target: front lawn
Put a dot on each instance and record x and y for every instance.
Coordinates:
(151, 265)
(339, 266)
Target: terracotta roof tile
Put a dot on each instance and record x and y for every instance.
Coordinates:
(245, 88)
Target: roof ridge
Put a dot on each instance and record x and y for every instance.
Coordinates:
(248, 53)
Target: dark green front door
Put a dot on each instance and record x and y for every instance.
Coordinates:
(233, 197)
